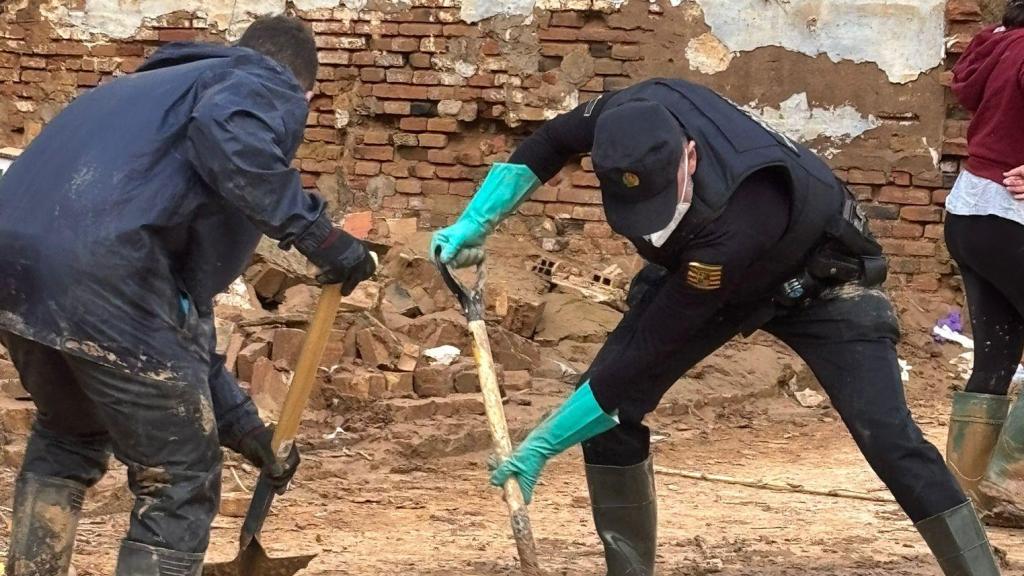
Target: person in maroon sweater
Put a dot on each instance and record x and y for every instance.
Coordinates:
(985, 235)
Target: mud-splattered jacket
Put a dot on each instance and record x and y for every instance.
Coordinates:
(147, 190)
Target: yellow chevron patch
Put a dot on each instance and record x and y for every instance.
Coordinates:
(704, 276)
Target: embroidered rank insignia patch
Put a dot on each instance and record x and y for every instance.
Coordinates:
(704, 276)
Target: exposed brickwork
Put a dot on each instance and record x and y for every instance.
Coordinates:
(412, 104)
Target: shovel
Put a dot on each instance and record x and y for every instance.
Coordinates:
(472, 306)
(252, 559)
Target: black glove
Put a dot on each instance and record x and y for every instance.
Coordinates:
(255, 446)
(341, 258)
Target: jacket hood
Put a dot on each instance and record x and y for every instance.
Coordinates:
(972, 71)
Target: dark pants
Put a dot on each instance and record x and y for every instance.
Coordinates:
(990, 253)
(847, 337)
(164, 432)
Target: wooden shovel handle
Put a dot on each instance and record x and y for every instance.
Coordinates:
(522, 531)
(305, 370)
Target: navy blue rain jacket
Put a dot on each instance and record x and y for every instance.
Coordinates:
(151, 188)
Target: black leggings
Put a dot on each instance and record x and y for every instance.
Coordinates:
(990, 253)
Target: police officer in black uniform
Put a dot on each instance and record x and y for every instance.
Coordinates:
(765, 237)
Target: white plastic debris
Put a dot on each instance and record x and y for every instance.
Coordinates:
(905, 369)
(443, 355)
(237, 295)
(809, 398)
(945, 332)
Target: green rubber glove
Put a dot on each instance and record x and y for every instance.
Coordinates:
(504, 189)
(579, 418)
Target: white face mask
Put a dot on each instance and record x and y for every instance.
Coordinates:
(658, 238)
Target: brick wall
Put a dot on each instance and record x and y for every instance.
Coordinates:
(412, 104)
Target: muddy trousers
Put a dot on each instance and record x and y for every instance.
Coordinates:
(164, 432)
(847, 337)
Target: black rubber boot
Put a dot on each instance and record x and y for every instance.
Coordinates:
(959, 543)
(626, 516)
(46, 512)
(141, 560)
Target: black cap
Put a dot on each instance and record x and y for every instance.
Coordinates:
(636, 155)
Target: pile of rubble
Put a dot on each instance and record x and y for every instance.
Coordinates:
(400, 338)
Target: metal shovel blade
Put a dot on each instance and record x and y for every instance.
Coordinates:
(253, 561)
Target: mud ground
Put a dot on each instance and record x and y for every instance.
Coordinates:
(404, 499)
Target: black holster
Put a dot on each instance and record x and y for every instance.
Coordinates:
(846, 253)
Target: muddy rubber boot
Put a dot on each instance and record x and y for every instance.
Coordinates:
(974, 427)
(626, 516)
(959, 543)
(46, 512)
(137, 559)
(1002, 488)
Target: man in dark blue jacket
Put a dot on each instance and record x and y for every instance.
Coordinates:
(118, 225)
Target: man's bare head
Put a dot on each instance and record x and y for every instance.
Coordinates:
(288, 41)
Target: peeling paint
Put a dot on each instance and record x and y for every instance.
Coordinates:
(124, 18)
(903, 38)
(798, 120)
(708, 55)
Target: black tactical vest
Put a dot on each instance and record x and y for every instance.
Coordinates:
(732, 145)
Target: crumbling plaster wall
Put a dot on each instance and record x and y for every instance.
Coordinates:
(416, 98)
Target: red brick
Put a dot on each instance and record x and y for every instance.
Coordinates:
(413, 124)
(900, 178)
(896, 229)
(367, 168)
(490, 47)
(587, 212)
(882, 211)
(341, 42)
(32, 63)
(433, 44)
(600, 34)
(461, 30)
(405, 45)
(607, 67)
(426, 77)
(317, 166)
(531, 208)
(434, 187)
(558, 210)
(443, 125)
(177, 35)
(397, 202)
(442, 157)
(564, 34)
(363, 59)
(929, 179)
(308, 180)
(70, 49)
(376, 137)
(398, 76)
(585, 179)
(856, 176)
(423, 170)
(571, 19)
(372, 74)
(409, 186)
(471, 158)
(396, 107)
(862, 193)
(441, 93)
(333, 57)
(897, 247)
(419, 60)
(400, 91)
(580, 195)
(34, 76)
(901, 195)
(373, 152)
(963, 11)
(396, 169)
(939, 196)
(462, 188)
(933, 231)
(417, 29)
(332, 27)
(626, 52)
(323, 135)
(921, 213)
(428, 140)
(455, 173)
(88, 79)
(587, 164)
